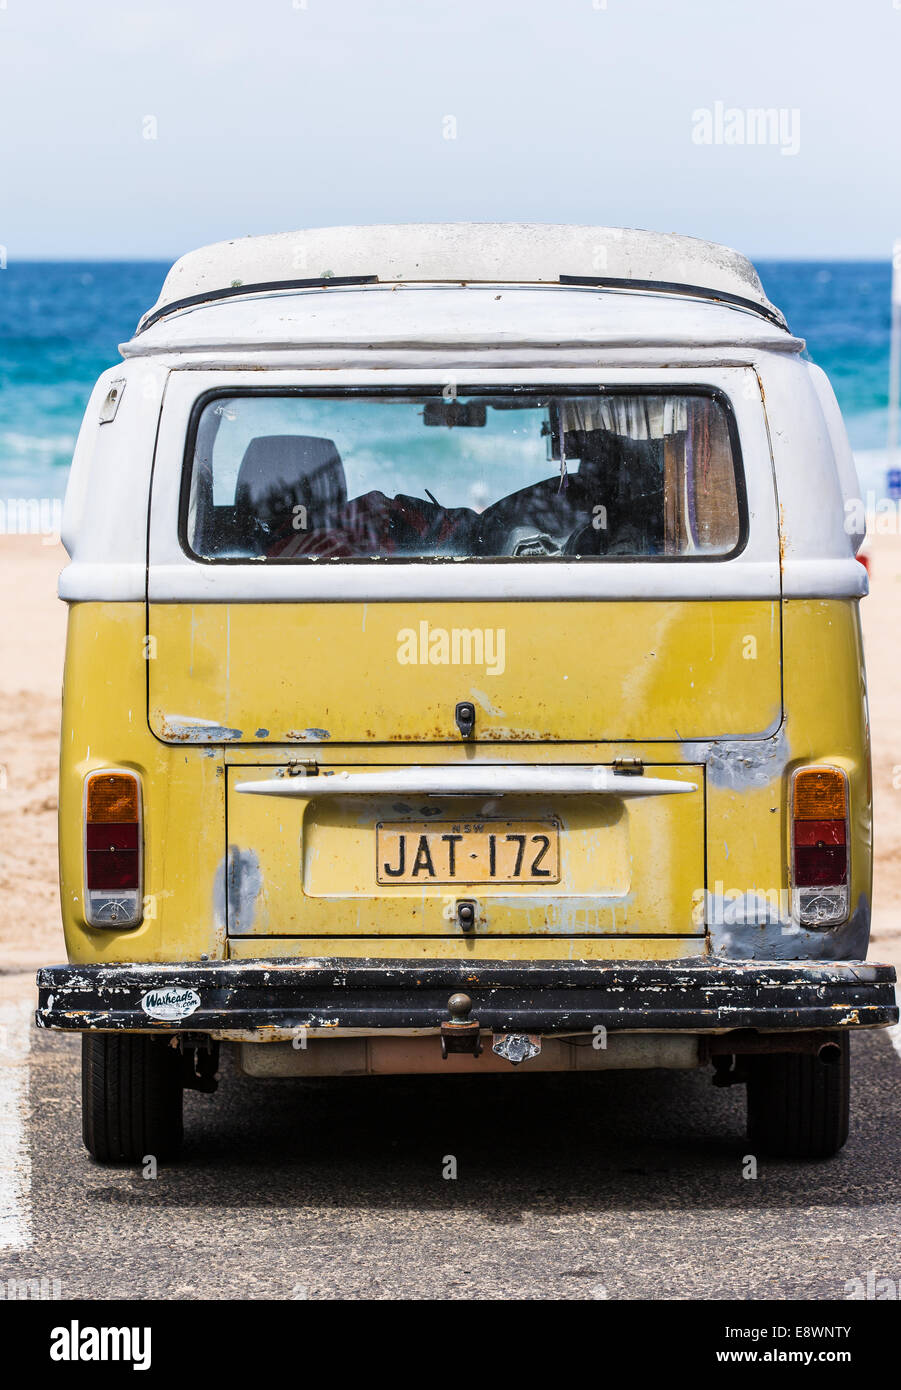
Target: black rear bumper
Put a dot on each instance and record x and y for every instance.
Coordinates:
(279, 996)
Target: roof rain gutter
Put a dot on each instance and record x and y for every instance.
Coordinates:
(771, 314)
(607, 282)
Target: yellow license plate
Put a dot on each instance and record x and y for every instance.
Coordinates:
(486, 851)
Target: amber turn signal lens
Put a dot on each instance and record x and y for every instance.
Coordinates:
(820, 794)
(112, 798)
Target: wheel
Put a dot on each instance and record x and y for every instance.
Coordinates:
(798, 1102)
(131, 1097)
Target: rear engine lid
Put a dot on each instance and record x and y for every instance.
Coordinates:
(533, 850)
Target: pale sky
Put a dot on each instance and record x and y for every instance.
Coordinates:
(276, 114)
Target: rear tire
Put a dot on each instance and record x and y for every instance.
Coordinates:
(798, 1102)
(131, 1097)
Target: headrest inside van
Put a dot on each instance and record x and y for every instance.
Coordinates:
(279, 471)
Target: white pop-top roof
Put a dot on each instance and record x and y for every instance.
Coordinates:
(434, 323)
(495, 252)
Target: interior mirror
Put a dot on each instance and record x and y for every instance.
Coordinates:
(453, 413)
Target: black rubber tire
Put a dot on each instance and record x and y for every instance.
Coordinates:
(131, 1097)
(798, 1102)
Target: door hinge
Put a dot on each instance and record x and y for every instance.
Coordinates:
(303, 767)
(630, 767)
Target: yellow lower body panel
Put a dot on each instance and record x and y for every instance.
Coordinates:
(484, 948)
(743, 829)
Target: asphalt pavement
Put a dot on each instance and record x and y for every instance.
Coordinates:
(624, 1185)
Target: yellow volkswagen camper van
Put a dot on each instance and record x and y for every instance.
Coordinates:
(464, 673)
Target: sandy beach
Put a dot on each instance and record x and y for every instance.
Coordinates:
(32, 638)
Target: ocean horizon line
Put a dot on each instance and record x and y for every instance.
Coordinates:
(769, 259)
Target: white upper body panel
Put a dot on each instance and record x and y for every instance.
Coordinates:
(753, 573)
(798, 469)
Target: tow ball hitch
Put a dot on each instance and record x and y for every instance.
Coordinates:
(460, 1033)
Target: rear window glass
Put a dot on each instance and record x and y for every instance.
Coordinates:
(294, 477)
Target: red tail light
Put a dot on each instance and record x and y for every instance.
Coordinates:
(113, 849)
(820, 845)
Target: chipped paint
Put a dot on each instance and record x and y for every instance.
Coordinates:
(178, 728)
(770, 941)
(245, 882)
(742, 763)
(484, 703)
(521, 997)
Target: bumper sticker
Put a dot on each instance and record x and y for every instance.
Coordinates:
(170, 1004)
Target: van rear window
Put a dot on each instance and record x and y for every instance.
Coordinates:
(352, 477)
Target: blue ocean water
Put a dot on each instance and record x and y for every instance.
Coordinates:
(60, 326)
(843, 311)
(61, 323)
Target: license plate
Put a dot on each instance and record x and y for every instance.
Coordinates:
(486, 851)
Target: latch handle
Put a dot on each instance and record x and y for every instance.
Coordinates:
(465, 718)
